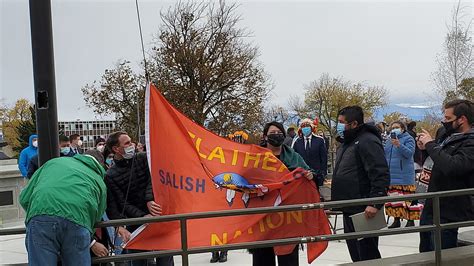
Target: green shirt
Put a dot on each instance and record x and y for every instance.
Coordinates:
(69, 187)
(292, 159)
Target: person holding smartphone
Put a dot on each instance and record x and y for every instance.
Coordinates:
(399, 150)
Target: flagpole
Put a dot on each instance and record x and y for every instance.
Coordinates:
(138, 115)
(147, 76)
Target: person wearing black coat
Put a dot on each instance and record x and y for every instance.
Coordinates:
(361, 171)
(64, 150)
(129, 188)
(132, 175)
(453, 169)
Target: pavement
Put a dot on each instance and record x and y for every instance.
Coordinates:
(12, 250)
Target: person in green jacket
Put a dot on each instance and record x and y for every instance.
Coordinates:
(63, 201)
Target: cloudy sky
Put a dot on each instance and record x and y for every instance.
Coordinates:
(388, 43)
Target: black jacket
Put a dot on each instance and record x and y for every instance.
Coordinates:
(33, 165)
(133, 176)
(315, 156)
(361, 170)
(453, 168)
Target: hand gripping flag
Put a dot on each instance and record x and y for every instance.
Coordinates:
(194, 170)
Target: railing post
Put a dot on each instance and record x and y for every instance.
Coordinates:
(184, 241)
(437, 231)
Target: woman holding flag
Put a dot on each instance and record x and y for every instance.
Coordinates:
(273, 137)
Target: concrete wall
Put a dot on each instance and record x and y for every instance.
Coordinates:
(11, 180)
(8, 151)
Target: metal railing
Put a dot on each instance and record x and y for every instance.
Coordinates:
(185, 251)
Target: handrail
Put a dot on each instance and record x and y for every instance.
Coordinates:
(185, 251)
(295, 207)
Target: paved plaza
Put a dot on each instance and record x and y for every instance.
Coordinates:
(12, 250)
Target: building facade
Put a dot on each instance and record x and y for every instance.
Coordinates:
(89, 131)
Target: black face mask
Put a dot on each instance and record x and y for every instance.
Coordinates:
(276, 140)
(351, 134)
(448, 126)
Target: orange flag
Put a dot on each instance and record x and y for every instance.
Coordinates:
(194, 170)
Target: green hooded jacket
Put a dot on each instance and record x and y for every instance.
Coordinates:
(69, 187)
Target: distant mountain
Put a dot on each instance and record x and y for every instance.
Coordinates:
(412, 111)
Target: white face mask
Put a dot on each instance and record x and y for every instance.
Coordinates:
(100, 148)
(129, 152)
(79, 143)
(35, 143)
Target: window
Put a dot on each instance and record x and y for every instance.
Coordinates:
(6, 198)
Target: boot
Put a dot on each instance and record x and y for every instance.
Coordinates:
(223, 256)
(410, 223)
(215, 257)
(396, 223)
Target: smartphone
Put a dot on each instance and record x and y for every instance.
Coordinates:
(393, 135)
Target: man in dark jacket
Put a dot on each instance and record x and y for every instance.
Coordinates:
(313, 150)
(290, 135)
(64, 150)
(361, 171)
(129, 189)
(76, 144)
(453, 168)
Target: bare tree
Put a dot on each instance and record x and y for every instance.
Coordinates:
(120, 92)
(394, 116)
(326, 96)
(277, 113)
(456, 61)
(205, 66)
(465, 90)
(430, 123)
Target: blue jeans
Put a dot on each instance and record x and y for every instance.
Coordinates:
(50, 237)
(449, 237)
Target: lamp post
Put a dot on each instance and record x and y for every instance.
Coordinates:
(44, 79)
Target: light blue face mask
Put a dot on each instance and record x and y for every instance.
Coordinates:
(340, 128)
(109, 161)
(397, 131)
(306, 131)
(65, 150)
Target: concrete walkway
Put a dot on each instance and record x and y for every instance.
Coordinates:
(12, 250)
